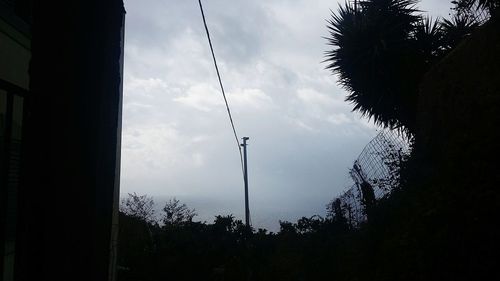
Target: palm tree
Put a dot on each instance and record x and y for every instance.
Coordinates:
(381, 50)
(490, 5)
(455, 29)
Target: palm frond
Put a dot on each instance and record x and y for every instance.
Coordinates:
(373, 56)
(428, 36)
(474, 5)
(456, 29)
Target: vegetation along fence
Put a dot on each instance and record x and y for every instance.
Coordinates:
(375, 173)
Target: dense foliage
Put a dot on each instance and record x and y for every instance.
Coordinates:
(468, 5)
(226, 249)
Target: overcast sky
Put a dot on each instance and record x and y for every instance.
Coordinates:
(177, 140)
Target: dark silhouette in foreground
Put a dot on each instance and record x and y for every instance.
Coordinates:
(225, 249)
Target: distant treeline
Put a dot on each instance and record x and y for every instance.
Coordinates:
(176, 248)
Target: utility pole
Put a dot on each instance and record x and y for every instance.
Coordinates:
(245, 176)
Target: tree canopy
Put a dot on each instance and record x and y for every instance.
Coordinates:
(381, 50)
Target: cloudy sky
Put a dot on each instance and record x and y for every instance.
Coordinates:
(177, 140)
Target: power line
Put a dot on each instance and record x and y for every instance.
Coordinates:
(222, 88)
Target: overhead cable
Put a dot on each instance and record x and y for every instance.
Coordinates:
(221, 86)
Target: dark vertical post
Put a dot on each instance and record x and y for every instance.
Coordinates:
(4, 175)
(245, 176)
(71, 139)
(116, 197)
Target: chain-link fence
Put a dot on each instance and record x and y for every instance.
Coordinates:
(375, 173)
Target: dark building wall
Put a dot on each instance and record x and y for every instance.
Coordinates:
(458, 103)
(71, 141)
(458, 138)
(14, 79)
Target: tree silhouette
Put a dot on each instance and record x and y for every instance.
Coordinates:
(139, 206)
(176, 213)
(336, 212)
(381, 51)
(491, 5)
(456, 28)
